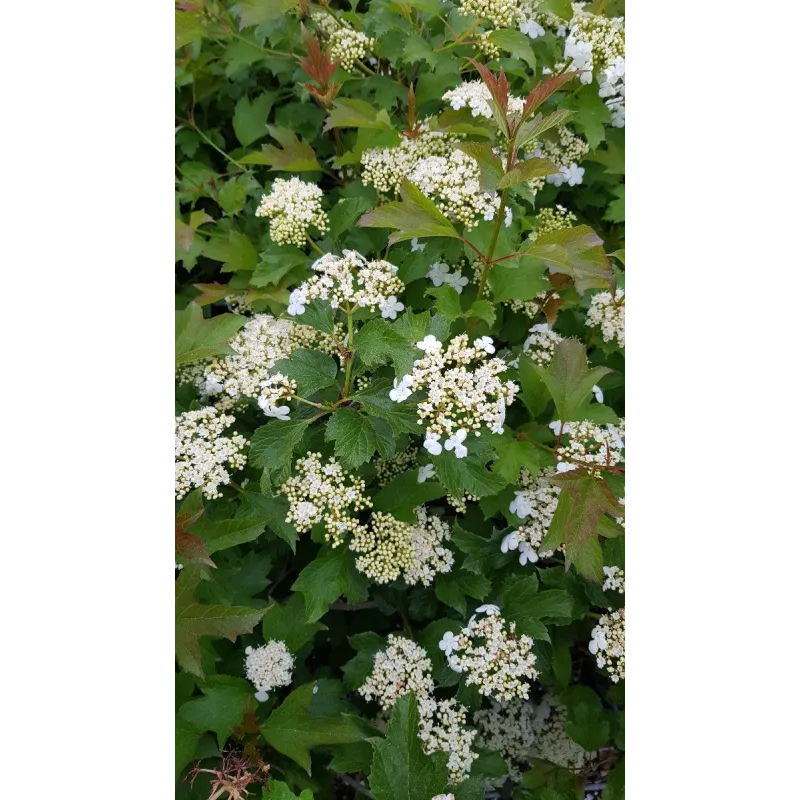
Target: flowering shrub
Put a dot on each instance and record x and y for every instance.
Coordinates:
(400, 435)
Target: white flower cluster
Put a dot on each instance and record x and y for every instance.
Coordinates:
(458, 399)
(551, 741)
(273, 390)
(347, 45)
(612, 89)
(293, 206)
(531, 308)
(453, 183)
(565, 149)
(608, 313)
(614, 580)
(203, 455)
(593, 446)
(510, 729)
(350, 281)
(608, 644)
(495, 659)
(475, 96)
(501, 13)
(326, 494)
(238, 304)
(405, 667)
(594, 42)
(541, 343)
(268, 667)
(390, 548)
(388, 468)
(387, 167)
(256, 347)
(440, 275)
(552, 219)
(533, 23)
(537, 503)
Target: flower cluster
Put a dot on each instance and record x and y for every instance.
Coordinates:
(612, 89)
(203, 455)
(551, 741)
(501, 13)
(608, 644)
(350, 281)
(510, 729)
(387, 167)
(293, 206)
(458, 399)
(347, 45)
(326, 494)
(390, 548)
(553, 219)
(268, 667)
(614, 580)
(485, 47)
(541, 343)
(256, 347)
(565, 149)
(594, 42)
(536, 503)
(534, 22)
(593, 446)
(493, 657)
(607, 312)
(405, 667)
(453, 182)
(273, 390)
(388, 468)
(475, 96)
(440, 275)
(531, 308)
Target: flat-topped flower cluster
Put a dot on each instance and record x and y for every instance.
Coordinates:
(268, 667)
(293, 207)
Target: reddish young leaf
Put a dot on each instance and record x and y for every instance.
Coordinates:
(317, 63)
(498, 86)
(542, 91)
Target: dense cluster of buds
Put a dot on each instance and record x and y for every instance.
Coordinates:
(485, 47)
(388, 468)
(389, 548)
(607, 312)
(501, 13)
(541, 344)
(404, 667)
(552, 742)
(293, 206)
(531, 308)
(537, 504)
(203, 456)
(608, 644)
(595, 447)
(350, 281)
(594, 42)
(614, 580)
(387, 167)
(552, 219)
(346, 44)
(566, 150)
(268, 667)
(463, 391)
(495, 660)
(327, 494)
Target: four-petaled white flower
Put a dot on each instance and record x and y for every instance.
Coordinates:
(297, 303)
(521, 505)
(280, 412)
(485, 343)
(455, 443)
(510, 542)
(497, 425)
(448, 642)
(432, 443)
(401, 390)
(452, 662)
(488, 608)
(438, 273)
(424, 473)
(559, 427)
(532, 28)
(456, 280)
(598, 393)
(563, 466)
(527, 554)
(430, 344)
(416, 246)
(391, 307)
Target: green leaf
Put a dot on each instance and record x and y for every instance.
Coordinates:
(357, 669)
(236, 252)
(186, 738)
(378, 342)
(468, 474)
(414, 217)
(270, 511)
(587, 720)
(515, 454)
(329, 576)
(532, 609)
(196, 337)
(577, 252)
(355, 757)
(483, 555)
(533, 128)
(193, 620)
(278, 790)
(344, 214)
(417, 49)
(448, 302)
(527, 170)
(402, 417)
(489, 162)
(221, 708)
(522, 281)
(482, 309)
(288, 623)
(223, 533)
(581, 504)
(404, 493)
(276, 261)
(400, 768)
(305, 720)
(250, 118)
(254, 12)
(568, 378)
(188, 27)
(273, 444)
(348, 112)
(319, 315)
(293, 155)
(516, 43)
(356, 437)
(615, 784)
(452, 588)
(311, 369)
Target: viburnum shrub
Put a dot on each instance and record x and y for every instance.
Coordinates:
(399, 434)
